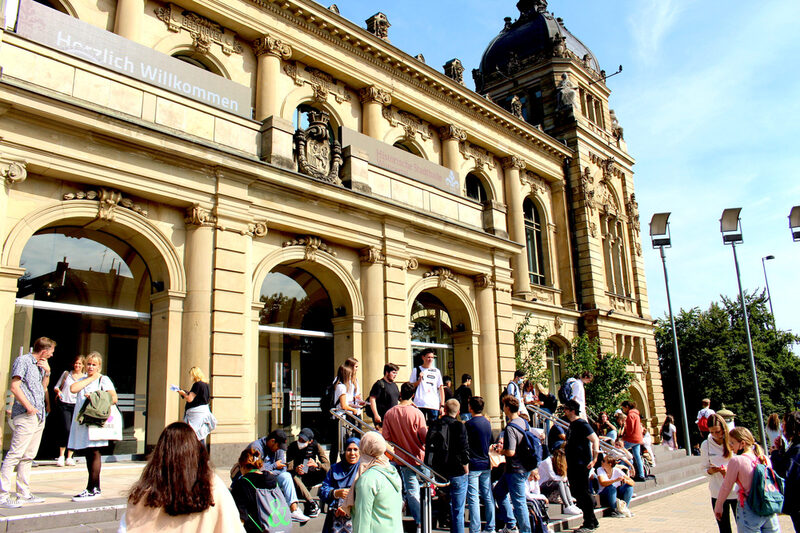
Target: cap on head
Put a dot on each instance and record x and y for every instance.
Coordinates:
(306, 435)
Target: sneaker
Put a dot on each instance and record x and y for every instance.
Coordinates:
(298, 516)
(313, 510)
(60, 461)
(85, 495)
(510, 530)
(585, 529)
(96, 491)
(30, 499)
(572, 510)
(10, 503)
(616, 514)
(70, 462)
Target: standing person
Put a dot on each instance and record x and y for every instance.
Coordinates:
(717, 451)
(616, 487)
(338, 484)
(741, 466)
(479, 439)
(787, 465)
(384, 393)
(632, 436)
(463, 394)
(578, 391)
(66, 406)
(344, 401)
(448, 388)
(30, 375)
(582, 449)
(449, 434)
(429, 397)
(514, 388)
(197, 413)
(404, 425)
(669, 433)
(510, 491)
(773, 430)
(308, 463)
(178, 491)
(376, 501)
(549, 404)
(702, 417)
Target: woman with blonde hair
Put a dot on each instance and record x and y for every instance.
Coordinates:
(717, 451)
(66, 406)
(79, 433)
(197, 414)
(740, 471)
(344, 401)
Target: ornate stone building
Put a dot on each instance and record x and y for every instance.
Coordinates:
(264, 189)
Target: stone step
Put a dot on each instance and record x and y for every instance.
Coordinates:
(44, 516)
(96, 527)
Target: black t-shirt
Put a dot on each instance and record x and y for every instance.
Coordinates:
(463, 394)
(386, 395)
(579, 447)
(479, 438)
(201, 394)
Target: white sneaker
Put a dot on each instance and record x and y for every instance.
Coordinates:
(10, 503)
(85, 495)
(70, 462)
(60, 461)
(510, 530)
(572, 510)
(298, 516)
(30, 499)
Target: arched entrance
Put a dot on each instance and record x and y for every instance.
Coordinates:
(432, 327)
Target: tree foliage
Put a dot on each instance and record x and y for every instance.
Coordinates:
(530, 350)
(715, 361)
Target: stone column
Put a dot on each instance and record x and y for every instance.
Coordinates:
(270, 51)
(489, 371)
(372, 101)
(516, 224)
(128, 22)
(372, 260)
(197, 306)
(451, 136)
(8, 295)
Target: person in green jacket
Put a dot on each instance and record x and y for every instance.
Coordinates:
(377, 501)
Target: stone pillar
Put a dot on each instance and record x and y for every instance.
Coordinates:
(8, 295)
(163, 405)
(197, 306)
(372, 101)
(516, 224)
(561, 247)
(270, 51)
(451, 136)
(489, 372)
(372, 260)
(128, 22)
(355, 172)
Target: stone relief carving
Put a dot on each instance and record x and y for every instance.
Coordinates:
(514, 162)
(593, 229)
(586, 188)
(372, 255)
(312, 245)
(375, 94)
(557, 324)
(411, 124)
(420, 58)
(516, 107)
(608, 204)
(270, 45)
(442, 273)
(257, 229)
(334, 8)
(455, 70)
(452, 132)
(198, 215)
(616, 129)
(316, 155)
(565, 94)
(203, 31)
(536, 183)
(559, 46)
(411, 263)
(322, 83)
(481, 157)
(109, 200)
(541, 295)
(15, 172)
(607, 165)
(483, 281)
(378, 25)
(632, 208)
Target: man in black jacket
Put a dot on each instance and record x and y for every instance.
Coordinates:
(447, 452)
(308, 462)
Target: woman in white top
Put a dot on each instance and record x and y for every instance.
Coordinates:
(79, 433)
(346, 399)
(65, 399)
(717, 451)
(669, 433)
(616, 487)
(774, 431)
(553, 476)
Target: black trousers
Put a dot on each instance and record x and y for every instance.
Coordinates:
(65, 411)
(727, 510)
(578, 477)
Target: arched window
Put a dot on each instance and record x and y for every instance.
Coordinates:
(475, 189)
(534, 242)
(615, 255)
(52, 5)
(197, 60)
(408, 147)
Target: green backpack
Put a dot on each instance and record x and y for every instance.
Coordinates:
(766, 493)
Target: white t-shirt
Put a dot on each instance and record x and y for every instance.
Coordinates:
(704, 413)
(579, 395)
(616, 474)
(427, 395)
(546, 472)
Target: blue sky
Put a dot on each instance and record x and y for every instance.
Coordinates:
(710, 102)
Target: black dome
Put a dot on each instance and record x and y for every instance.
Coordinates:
(529, 39)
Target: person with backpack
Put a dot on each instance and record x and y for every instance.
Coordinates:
(514, 389)
(750, 469)
(522, 456)
(582, 449)
(447, 452)
(574, 389)
(787, 465)
(383, 395)
(427, 379)
(717, 449)
(702, 417)
(262, 506)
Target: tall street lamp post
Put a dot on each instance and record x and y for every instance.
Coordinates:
(730, 227)
(659, 234)
(766, 282)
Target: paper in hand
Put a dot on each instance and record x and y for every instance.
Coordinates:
(174, 388)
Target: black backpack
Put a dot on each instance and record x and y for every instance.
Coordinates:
(565, 392)
(326, 400)
(529, 447)
(437, 444)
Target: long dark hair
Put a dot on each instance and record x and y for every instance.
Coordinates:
(717, 421)
(668, 420)
(178, 475)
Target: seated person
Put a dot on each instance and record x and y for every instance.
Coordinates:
(616, 487)
(253, 490)
(308, 463)
(337, 484)
(553, 477)
(605, 429)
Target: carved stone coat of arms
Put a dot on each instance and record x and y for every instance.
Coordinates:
(317, 156)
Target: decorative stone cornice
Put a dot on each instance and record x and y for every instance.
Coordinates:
(442, 273)
(479, 155)
(372, 255)
(272, 46)
(199, 216)
(14, 172)
(375, 94)
(109, 200)
(483, 281)
(534, 181)
(452, 132)
(411, 124)
(312, 245)
(513, 162)
(203, 31)
(322, 83)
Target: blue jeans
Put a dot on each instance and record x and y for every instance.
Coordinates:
(509, 493)
(410, 491)
(635, 450)
(749, 522)
(286, 483)
(458, 496)
(480, 482)
(609, 495)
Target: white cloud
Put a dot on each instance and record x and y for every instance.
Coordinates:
(650, 23)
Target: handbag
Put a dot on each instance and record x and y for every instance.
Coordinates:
(111, 430)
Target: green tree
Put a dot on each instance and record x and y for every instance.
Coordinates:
(530, 350)
(715, 362)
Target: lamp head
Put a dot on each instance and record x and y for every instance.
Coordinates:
(769, 257)
(659, 230)
(794, 222)
(730, 226)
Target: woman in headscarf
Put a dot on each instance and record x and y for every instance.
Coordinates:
(377, 496)
(337, 485)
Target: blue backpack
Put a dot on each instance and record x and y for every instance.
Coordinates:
(766, 493)
(529, 448)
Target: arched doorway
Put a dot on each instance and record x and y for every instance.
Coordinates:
(89, 291)
(432, 327)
